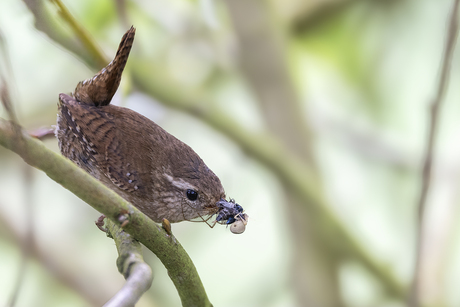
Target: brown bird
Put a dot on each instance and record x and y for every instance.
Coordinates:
(144, 164)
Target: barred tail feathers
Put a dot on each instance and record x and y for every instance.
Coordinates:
(99, 90)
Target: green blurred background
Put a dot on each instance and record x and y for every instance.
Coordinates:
(335, 91)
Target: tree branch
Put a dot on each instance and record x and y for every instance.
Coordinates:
(131, 265)
(451, 35)
(179, 265)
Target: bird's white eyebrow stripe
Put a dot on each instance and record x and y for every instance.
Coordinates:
(180, 183)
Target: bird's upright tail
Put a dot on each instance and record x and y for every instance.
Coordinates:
(99, 90)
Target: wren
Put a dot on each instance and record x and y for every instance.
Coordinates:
(129, 153)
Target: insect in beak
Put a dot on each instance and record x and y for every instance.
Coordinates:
(230, 213)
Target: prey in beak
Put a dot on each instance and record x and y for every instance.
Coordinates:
(230, 213)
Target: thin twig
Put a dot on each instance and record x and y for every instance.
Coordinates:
(42, 133)
(47, 23)
(452, 33)
(131, 265)
(81, 32)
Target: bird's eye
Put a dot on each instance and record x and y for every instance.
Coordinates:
(192, 195)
